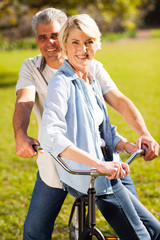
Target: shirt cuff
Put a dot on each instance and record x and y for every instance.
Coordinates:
(117, 139)
(58, 145)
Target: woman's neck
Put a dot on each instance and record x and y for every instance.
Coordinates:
(81, 73)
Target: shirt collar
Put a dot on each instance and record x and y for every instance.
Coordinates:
(67, 69)
(70, 73)
(41, 63)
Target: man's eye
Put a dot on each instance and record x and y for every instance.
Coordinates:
(54, 36)
(41, 38)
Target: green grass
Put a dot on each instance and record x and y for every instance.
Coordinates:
(135, 69)
(155, 33)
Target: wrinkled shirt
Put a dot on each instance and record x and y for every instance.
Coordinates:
(68, 120)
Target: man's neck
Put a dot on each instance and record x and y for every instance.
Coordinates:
(55, 64)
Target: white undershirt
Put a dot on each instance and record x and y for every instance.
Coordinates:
(50, 71)
(98, 114)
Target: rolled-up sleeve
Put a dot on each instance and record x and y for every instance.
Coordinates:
(54, 126)
(103, 77)
(116, 137)
(26, 79)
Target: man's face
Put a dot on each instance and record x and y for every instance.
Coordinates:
(47, 41)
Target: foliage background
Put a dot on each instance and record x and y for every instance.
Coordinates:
(111, 15)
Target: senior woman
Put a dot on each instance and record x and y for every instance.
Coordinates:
(75, 126)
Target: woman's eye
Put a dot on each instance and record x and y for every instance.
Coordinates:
(89, 42)
(75, 42)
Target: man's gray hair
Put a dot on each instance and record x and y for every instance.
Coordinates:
(46, 16)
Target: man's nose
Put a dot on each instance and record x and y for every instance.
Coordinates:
(51, 40)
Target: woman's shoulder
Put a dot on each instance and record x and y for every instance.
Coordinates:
(59, 78)
(60, 83)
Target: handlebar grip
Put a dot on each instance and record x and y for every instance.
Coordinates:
(37, 147)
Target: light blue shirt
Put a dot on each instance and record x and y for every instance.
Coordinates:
(68, 120)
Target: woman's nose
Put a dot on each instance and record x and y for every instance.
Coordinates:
(83, 48)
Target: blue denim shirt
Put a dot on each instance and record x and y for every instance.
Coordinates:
(68, 120)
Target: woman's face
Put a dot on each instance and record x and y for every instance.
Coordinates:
(80, 50)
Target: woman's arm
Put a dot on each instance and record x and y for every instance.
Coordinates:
(124, 146)
(114, 169)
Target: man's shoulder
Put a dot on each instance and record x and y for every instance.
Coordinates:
(95, 62)
(95, 65)
(33, 62)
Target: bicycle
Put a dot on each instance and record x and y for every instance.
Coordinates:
(82, 224)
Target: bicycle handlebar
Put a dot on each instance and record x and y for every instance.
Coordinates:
(91, 172)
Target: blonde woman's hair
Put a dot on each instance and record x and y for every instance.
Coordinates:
(82, 22)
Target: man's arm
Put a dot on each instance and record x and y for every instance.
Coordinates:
(21, 118)
(133, 117)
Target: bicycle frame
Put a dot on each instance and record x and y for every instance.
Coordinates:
(86, 231)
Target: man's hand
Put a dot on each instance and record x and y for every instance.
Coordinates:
(24, 146)
(150, 146)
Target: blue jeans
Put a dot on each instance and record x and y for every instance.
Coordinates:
(128, 183)
(44, 207)
(126, 215)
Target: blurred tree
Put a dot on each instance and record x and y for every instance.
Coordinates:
(15, 19)
(111, 15)
(150, 13)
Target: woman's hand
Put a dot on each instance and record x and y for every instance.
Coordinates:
(114, 169)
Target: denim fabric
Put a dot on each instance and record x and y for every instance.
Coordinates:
(128, 183)
(128, 217)
(44, 207)
(124, 212)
